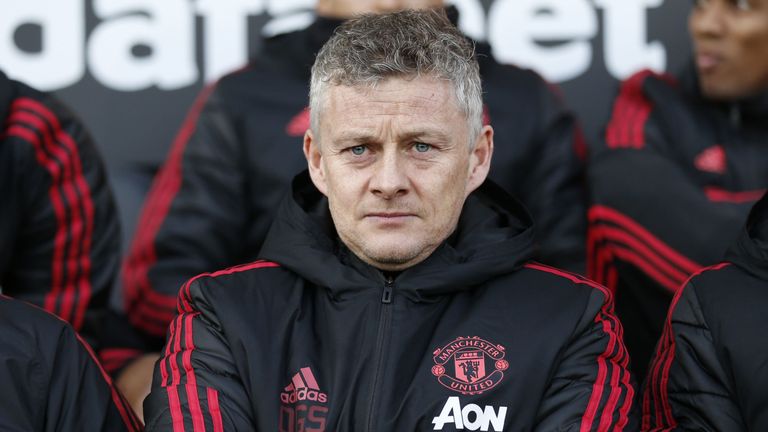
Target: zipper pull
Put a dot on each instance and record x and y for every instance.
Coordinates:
(386, 295)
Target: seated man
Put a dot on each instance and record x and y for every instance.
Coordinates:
(213, 201)
(50, 378)
(709, 372)
(59, 232)
(683, 161)
(396, 291)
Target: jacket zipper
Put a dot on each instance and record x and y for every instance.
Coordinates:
(385, 314)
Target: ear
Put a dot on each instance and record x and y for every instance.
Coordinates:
(480, 159)
(314, 161)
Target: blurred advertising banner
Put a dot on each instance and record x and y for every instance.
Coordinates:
(131, 68)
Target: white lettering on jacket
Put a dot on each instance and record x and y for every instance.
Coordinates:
(470, 417)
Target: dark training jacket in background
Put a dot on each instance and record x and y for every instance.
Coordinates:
(475, 337)
(212, 203)
(671, 186)
(59, 229)
(709, 373)
(50, 379)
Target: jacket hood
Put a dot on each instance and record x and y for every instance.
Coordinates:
(751, 249)
(494, 236)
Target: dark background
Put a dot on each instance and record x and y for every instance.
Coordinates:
(135, 127)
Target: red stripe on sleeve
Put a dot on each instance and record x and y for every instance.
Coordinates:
(628, 113)
(132, 423)
(57, 202)
(600, 213)
(175, 406)
(660, 368)
(642, 250)
(614, 350)
(597, 387)
(716, 194)
(215, 410)
(193, 398)
(631, 111)
(78, 288)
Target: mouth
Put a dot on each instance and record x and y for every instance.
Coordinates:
(389, 215)
(389, 218)
(708, 61)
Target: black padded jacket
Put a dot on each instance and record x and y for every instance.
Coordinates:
(672, 184)
(474, 337)
(709, 372)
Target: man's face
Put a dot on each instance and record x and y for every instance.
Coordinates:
(730, 39)
(396, 165)
(350, 8)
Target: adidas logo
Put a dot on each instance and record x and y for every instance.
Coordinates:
(712, 159)
(303, 387)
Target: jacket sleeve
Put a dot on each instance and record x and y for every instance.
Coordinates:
(66, 244)
(196, 382)
(81, 395)
(687, 386)
(591, 388)
(50, 379)
(193, 218)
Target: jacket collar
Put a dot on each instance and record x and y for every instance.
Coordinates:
(494, 237)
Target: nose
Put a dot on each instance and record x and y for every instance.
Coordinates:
(390, 178)
(708, 20)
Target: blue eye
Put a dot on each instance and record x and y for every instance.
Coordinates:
(357, 150)
(421, 147)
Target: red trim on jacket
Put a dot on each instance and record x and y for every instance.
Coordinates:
(114, 359)
(132, 422)
(214, 410)
(72, 204)
(181, 337)
(716, 194)
(615, 353)
(631, 111)
(658, 377)
(614, 235)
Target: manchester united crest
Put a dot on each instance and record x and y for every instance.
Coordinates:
(469, 365)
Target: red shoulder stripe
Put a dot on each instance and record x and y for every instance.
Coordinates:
(615, 354)
(185, 297)
(214, 410)
(661, 365)
(631, 111)
(72, 204)
(130, 420)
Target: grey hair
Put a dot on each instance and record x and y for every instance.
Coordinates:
(408, 44)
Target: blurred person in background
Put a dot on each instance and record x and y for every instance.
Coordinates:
(59, 229)
(683, 160)
(59, 251)
(212, 202)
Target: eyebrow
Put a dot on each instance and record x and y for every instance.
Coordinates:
(361, 137)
